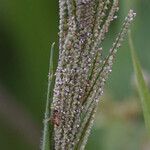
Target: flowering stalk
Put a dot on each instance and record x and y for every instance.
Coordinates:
(81, 71)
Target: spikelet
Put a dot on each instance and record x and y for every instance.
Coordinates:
(63, 20)
(81, 73)
(100, 80)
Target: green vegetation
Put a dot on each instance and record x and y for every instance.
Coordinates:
(141, 84)
(27, 27)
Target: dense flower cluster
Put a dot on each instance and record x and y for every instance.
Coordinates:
(81, 71)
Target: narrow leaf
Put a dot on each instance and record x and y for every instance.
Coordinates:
(47, 133)
(142, 87)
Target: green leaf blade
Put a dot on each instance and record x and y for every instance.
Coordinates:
(48, 127)
(142, 87)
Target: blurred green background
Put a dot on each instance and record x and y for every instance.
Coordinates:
(27, 29)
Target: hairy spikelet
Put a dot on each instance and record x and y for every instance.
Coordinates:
(81, 71)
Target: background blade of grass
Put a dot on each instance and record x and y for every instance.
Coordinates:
(47, 133)
(142, 87)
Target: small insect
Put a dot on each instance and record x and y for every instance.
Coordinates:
(56, 118)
